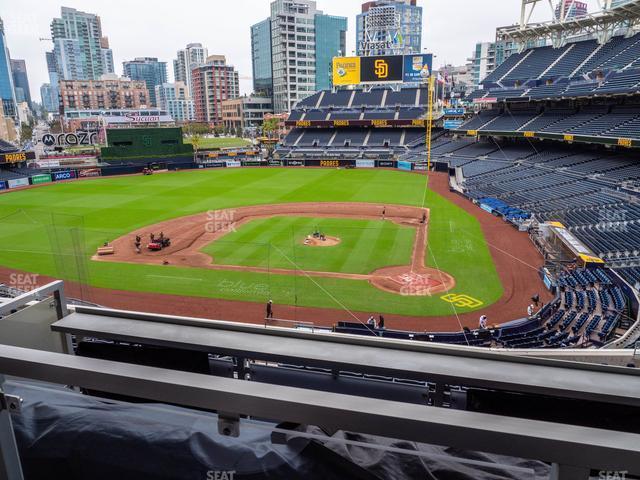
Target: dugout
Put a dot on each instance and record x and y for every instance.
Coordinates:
(145, 143)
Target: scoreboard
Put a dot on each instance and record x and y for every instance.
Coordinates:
(382, 69)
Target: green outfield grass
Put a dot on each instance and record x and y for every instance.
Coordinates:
(42, 230)
(220, 142)
(278, 242)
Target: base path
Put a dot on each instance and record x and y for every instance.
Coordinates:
(189, 235)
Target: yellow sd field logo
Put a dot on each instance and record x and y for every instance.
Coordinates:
(462, 301)
(381, 69)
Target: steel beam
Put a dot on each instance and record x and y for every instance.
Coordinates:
(556, 443)
(408, 360)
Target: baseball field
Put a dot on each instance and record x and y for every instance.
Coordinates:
(263, 252)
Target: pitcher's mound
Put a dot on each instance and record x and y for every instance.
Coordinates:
(316, 242)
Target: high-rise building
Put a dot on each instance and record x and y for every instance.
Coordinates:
(149, 70)
(488, 56)
(7, 91)
(107, 55)
(261, 57)
(109, 92)
(50, 90)
(212, 83)
(174, 99)
(21, 81)
(49, 96)
(303, 41)
(570, 9)
(78, 46)
(331, 41)
(186, 60)
(389, 27)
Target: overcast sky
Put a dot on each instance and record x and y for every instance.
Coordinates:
(147, 28)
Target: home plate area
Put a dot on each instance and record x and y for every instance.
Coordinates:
(421, 283)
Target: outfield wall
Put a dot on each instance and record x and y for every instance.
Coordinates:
(67, 174)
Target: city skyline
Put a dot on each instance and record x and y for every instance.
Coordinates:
(231, 37)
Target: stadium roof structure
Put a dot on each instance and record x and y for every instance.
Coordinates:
(602, 25)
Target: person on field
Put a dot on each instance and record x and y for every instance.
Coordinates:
(384, 212)
(270, 309)
(536, 299)
(424, 218)
(483, 322)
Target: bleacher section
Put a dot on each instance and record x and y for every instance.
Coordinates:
(588, 122)
(586, 312)
(577, 69)
(587, 190)
(356, 124)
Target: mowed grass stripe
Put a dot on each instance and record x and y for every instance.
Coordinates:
(362, 246)
(365, 245)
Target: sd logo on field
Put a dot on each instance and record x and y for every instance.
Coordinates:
(462, 301)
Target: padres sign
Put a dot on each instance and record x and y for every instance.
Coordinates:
(381, 69)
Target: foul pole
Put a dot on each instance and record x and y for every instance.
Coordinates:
(432, 84)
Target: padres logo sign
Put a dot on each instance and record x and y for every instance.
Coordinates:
(462, 301)
(381, 69)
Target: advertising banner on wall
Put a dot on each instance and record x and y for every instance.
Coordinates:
(89, 172)
(294, 163)
(386, 163)
(365, 163)
(330, 163)
(16, 157)
(18, 182)
(3, 185)
(48, 163)
(405, 165)
(132, 118)
(37, 179)
(233, 163)
(79, 137)
(214, 164)
(252, 163)
(346, 70)
(417, 68)
(452, 124)
(65, 175)
(454, 111)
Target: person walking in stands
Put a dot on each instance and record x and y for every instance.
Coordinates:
(381, 323)
(483, 322)
(270, 309)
